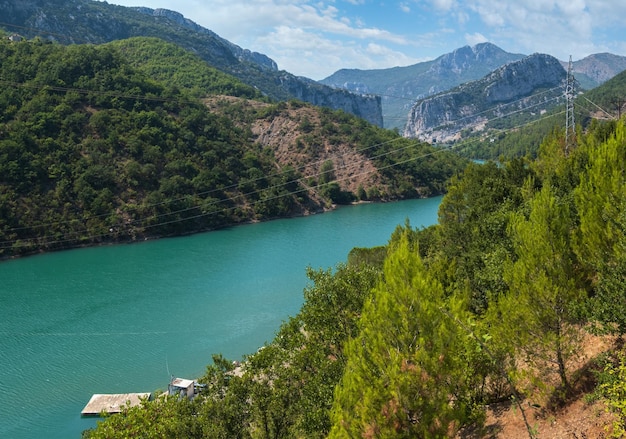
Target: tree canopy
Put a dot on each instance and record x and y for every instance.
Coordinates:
(488, 305)
(112, 143)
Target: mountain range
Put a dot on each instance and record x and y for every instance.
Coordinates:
(384, 97)
(533, 83)
(401, 87)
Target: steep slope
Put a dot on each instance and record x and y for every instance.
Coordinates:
(167, 62)
(533, 83)
(609, 97)
(86, 21)
(401, 86)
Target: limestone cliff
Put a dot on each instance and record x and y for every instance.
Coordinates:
(400, 86)
(533, 82)
(598, 68)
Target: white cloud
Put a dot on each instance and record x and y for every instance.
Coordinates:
(287, 31)
(298, 51)
(557, 27)
(475, 38)
(443, 5)
(316, 37)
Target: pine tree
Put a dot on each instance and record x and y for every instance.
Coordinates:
(543, 284)
(601, 244)
(406, 374)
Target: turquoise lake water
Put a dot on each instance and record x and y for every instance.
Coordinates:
(122, 318)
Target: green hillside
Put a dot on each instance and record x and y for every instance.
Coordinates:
(608, 97)
(168, 63)
(110, 144)
(98, 22)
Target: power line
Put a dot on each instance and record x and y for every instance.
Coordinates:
(235, 185)
(112, 94)
(45, 240)
(619, 103)
(570, 123)
(76, 235)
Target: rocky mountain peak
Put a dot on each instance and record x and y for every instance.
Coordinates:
(467, 57)
(597, 68)
(520, 78)
(241, 54)
(457, 60)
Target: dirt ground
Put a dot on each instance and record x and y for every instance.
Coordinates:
(576, 418)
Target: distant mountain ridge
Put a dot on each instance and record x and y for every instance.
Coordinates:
(241, 54)
(401, 86)
(87, 21)
(532, 82)
(596, 69)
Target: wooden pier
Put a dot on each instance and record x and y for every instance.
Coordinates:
(112, 403)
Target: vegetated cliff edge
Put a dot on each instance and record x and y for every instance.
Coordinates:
(533, 82)
(86, 21)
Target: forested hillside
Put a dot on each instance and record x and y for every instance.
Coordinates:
(488, 308)
(98, 22)
(112, 143)
(166, 62)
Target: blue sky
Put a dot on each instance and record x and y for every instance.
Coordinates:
(316, 38)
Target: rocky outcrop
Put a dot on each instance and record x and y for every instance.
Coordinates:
(535, 81)
(522, 78)
(87, 21)
(241, 54)
(483, 57)
(365, 106)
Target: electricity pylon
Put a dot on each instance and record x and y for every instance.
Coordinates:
(570, 123)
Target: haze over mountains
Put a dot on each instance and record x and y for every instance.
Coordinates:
(400, 87)
(383, 97)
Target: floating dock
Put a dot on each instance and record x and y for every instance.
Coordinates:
(112, 402)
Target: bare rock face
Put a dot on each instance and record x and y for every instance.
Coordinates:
(521, 78)
(529, 81)
(365, 106)
(400, 85)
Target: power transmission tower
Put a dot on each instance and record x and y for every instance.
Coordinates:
(570, 124)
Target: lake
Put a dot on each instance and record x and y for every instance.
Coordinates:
(124, 318)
